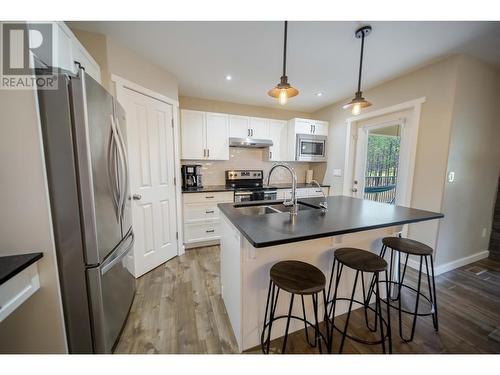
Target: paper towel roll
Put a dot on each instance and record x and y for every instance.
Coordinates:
(309, 176)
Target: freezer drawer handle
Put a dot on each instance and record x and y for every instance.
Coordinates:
(120, 254)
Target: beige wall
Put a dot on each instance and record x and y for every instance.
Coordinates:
(114, 58)
(96, 45)
(437, 84)
(474, 156)
(238, 109)
(37, 326)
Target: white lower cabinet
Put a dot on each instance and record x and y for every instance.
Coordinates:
(202, 216)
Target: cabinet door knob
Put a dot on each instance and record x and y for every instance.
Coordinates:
(354, 190)
(136, 197)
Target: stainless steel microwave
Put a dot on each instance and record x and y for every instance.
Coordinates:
(310, 147)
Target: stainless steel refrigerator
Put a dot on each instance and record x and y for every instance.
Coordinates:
(85, 149)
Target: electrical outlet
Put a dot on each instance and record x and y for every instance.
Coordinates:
(484, 232)
(451, 176)
(337, 172)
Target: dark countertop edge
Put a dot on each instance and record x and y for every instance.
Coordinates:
(209, 189)
(222, 188)
(332, 234)
(30, 258)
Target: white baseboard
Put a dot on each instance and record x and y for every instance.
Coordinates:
(453, 264)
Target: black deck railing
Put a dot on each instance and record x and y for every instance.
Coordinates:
(381, 188)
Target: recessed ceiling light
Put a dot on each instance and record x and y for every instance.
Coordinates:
(228, 77)
(319, 94)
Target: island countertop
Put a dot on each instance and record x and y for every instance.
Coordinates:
(344, 215)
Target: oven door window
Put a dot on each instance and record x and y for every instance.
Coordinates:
(312, 148)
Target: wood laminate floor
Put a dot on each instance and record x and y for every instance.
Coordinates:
(178, 309)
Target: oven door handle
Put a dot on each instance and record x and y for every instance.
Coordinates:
(240, 193)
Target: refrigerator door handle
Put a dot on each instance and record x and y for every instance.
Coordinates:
(112, 178)
(125, 167)
(124, 248)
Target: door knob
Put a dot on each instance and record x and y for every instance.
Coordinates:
(136, 197)
(354, 190)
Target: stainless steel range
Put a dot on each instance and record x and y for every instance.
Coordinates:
(248, 185)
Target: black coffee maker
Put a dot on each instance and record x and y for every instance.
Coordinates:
(191, 176)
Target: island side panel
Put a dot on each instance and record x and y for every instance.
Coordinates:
(257, 262)
(230, 271)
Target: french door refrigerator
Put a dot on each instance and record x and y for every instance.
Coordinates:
(84, 136)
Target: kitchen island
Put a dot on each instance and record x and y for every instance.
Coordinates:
(256, 235)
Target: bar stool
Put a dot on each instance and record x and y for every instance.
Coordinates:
(294, 277)
(361, 261)
(424, 252)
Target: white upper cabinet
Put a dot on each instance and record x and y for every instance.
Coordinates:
(248, 127)
(239, 126)
(204, 136)
(70, 51)
(64, 54)
(312, 127)
(278, 131)
(217, 139)
(193, 135)
(259, 128)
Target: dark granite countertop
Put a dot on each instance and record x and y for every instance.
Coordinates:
(216, 188)
(345, 215)
(208, 189)
(11, 265)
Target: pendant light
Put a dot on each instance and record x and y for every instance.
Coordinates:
(358, 101)
(283, 90)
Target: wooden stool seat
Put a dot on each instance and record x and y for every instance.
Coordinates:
(407, 246)
(298, 277)
(360, 260)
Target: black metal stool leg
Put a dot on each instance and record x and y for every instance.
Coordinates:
(388, 307)
(378, 311)
(317, 340)
(372, 282)
(434, 298)
(305, 323)
(367, 303)
(288, 323)
(348, 313)
(274, 303)
(327, 328)
(340, 267)
(265, 315)
(414, 324)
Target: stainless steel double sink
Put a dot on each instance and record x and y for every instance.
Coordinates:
(263, 208)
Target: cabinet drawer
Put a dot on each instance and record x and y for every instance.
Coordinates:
(201, 232)
(218, 197)
(200, 211)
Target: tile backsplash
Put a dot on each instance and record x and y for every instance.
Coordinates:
(248, 158)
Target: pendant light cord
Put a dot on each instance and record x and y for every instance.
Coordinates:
(284, 49)
(361, 60)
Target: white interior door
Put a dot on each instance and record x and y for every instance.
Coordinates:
(151, 152)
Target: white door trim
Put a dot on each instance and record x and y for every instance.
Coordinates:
(349, 157)
(122, 84)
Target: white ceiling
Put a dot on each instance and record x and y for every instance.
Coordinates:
(322, 56)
